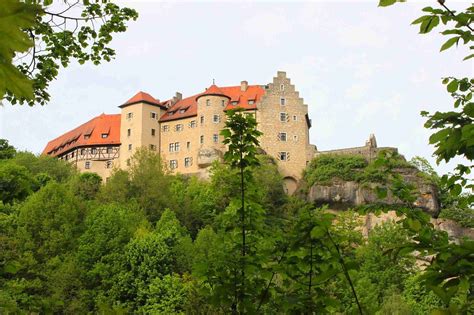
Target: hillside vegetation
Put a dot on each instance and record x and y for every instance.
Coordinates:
(151, 242)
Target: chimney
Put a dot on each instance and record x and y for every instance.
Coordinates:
(178, 97)
(243, 86)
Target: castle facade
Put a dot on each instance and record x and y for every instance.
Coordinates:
(186, 131)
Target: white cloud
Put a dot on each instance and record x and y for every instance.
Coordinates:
(388, 108)
(357, 90)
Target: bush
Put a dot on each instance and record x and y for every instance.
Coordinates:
(325, 168)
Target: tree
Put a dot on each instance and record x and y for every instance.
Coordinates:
(241, 136)
(6, 151)
(50, 37)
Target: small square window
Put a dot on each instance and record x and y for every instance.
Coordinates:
(192, 124)
(223, 103)
(94, 151)
(283, 156)
(282, 136)
(152, 147)
(178, 127)
(108, 164)
(282, 87)
(153, 132)
(110, 150)
(173, 164)
(202, 119)
(283, 117)
(201, 139)
(176, 146)
(87, 165)
(295, 118)
(166, 128)
(83, 151)
(171, 147)
(208, 102)
(282, 101)
(129, 147)
(129, 132)
(215, 138)
(216, 119)
(188, 145)
(129, 115)
(188, 161)
(153, 115)
(295, 138)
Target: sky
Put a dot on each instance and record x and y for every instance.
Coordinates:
(360, 68)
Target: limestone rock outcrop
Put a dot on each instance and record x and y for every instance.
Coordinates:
(345, 194)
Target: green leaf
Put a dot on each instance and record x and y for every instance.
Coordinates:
(468, 57)
(450, 42)
(453, 86)
(386, 3)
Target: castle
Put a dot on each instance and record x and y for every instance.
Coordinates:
(186, 131)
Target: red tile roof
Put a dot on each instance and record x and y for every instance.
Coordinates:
(142, 97)
(241, 98)
(93, 130)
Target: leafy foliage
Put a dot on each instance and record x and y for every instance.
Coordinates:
(79, 31)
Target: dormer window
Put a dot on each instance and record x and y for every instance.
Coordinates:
(170, 113)
(104, 135)
(234, 102)
(182, 111)
(251, 102)
(87, 137)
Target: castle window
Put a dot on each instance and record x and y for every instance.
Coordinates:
(173, 164)
(129, 115)
(188, 161)
(104, 135)
(295, 118)
(72, 154)
(83, 151)
(166, 128)
(282, 136)
(215, 138)
(94, 151)
(129, 147)
(202, 139)
(283, 117)
(202, 119)
(110, 150)
(223, 103)
(153, 132)
(284, 156)
(173, 147)
(152, 147)
(282, 101)
(108, 164)
(87, 165)
(178, 127)
(216, 119)
(188, 145)
(153, 115)
(129, 132)
(192, 124)
(282, 87)
(295, 138)
(208, 102)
